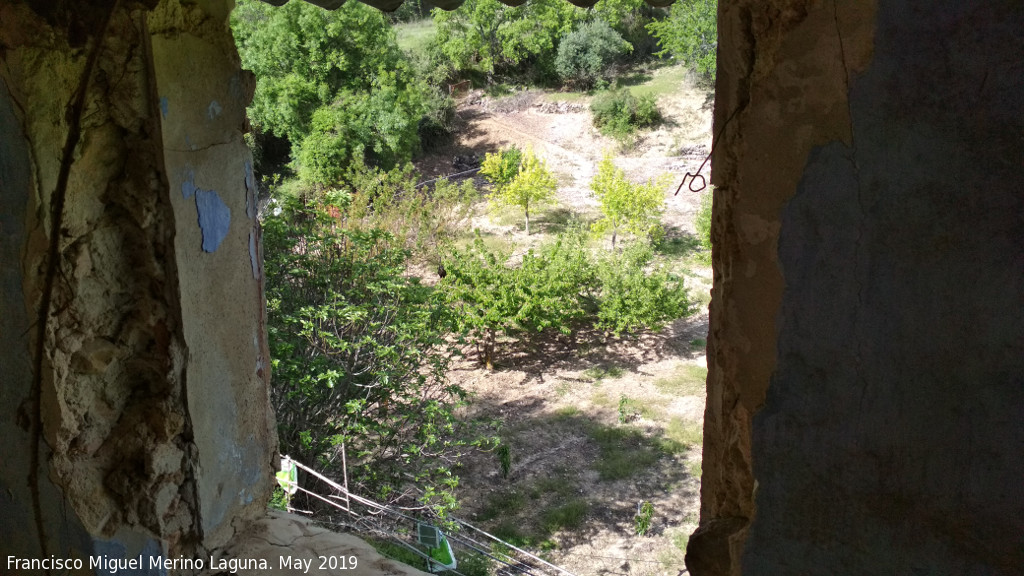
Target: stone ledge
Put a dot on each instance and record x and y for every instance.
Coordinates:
(281, 535)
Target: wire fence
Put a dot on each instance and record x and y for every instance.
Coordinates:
(400, 527)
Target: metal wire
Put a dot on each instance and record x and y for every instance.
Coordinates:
(463, 539)
(463, 173)
(693, 176)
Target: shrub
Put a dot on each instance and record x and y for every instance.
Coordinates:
(632, 299)
(585, 55)
(505, 459)
(278, 500)
(646, 112)
(437, 124)
(379, 128)
(618, 113)
(642, 520)
(419, 217)
(558, 288)
(358, 355)
(547, 292)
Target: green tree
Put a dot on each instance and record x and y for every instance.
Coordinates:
(550, 291)
(560, 288)
(501, 167)
(490, 37)
(635, 294)
(626, 206)
(358, 354)
(477, 285)
(629, 18)
(336, 78)
(377, 127)
(690, 33)
(533, 185)
(585, 55)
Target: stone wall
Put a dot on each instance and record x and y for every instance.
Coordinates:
(131, 288)
(866, 358)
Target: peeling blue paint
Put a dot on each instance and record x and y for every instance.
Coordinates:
(188, 184)
(214, 218)
(253, 255)
(214, 110)
(165, 106)
(244, 497)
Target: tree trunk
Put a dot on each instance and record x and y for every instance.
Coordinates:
(527, 211)
(489, 350)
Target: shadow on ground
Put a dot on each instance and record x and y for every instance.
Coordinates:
(572, 475)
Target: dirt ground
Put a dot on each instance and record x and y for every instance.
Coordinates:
(599, 426)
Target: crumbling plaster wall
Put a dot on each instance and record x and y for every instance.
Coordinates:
(866, 358)
(122, 162)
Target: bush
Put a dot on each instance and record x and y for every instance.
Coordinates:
(419, 217)
(585, 55)
(642, 520)
(618, 113)
(380, 128)
(690, 33)
(358, 355)
(437, 124)
(491, 299)
(560, 288)
(632, 299)
(505, 459)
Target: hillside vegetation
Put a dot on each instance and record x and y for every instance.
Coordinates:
(549, 308)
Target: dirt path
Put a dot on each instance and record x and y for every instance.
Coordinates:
(572, 147)
(595, 427)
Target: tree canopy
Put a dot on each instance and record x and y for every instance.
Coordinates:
(626, 206)
(358, 350)
(491, 37)
(533, 184)
(690, 33)
(334, 83)
(585, 55)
